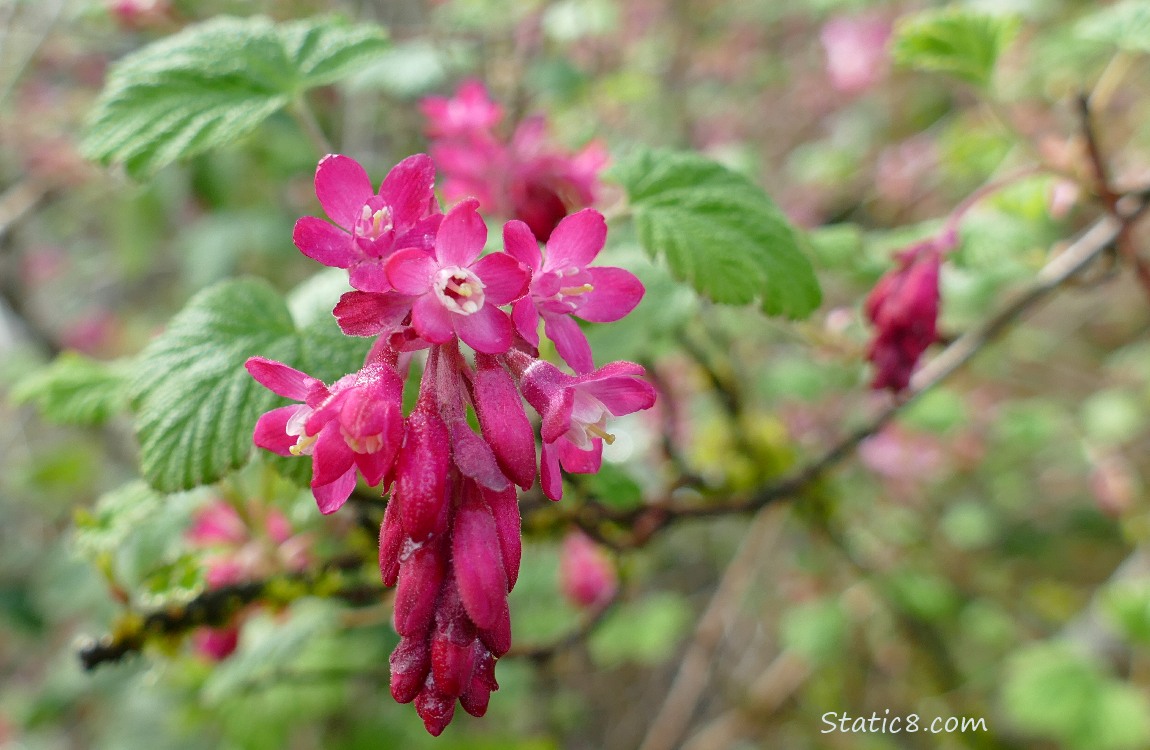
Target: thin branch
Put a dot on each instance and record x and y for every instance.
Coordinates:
(545, 651)
(310, 125)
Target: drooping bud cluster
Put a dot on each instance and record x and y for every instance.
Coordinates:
(903, 306)
(450, 538)
(522, 177)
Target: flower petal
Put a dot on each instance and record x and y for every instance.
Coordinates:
(271, 430)
(332, 457)
(331, 497)
(570, 342)
(320, 241)
(520, 243)
(550, 479)
(487, 330)
(409, 188)
(578, 461)
(576, 240)
(280, 379)
(504, 278)
(368, 275)
(526, 319)
(342, 187)
(621, 395)
(616, 292)
(411, 271)
(369, 314)
(461, 236)
(431, 320)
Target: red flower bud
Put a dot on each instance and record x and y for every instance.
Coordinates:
(903, 307)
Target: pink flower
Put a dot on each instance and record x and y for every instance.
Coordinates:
(562, 285)
(469, 111)
(903, 307)
(575, 412)
(217, 644)
(525, 178)
(357, 423)
(856, 52)
(456, 292)
(586, 576)
(371, 225)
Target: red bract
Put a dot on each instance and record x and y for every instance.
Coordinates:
(524, 177)
(371, 225)
(903, 307)
(563, 285)
(357, 423)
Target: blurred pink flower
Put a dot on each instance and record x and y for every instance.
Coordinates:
(587, 576)
(856, 52)
(525, 177)
(903, 307)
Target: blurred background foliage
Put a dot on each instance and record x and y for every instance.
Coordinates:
(984, 556)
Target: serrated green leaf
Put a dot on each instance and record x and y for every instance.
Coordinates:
(718, 232)
(1125, 25)
(962, 43)
(195, 402)
(214, 83)
(76, 390)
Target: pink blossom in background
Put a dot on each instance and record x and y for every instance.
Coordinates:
(525, 177)
(236, 552)
(898, 454)
(856, 52)
(587, 576)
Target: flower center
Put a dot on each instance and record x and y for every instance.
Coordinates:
(372, 224)
(305, 443)
(588, 421)
(367, 444)
(459, 290)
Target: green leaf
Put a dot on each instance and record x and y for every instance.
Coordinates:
(962, 43)
(1050, 691)
(815, 630)
(718, 232)
(641, 632)
(76, 390)
(1125, 25)
(214, 83)
(196, 404)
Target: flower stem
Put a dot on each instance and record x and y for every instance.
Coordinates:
(310, 125)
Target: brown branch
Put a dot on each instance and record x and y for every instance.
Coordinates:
(1110, 199)
(215, 608)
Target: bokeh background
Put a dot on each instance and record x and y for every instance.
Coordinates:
(983, 556)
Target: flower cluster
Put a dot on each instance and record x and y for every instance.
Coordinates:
(450, 537)
(521, 177)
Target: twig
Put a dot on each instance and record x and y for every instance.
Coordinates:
(1109, 198)
(310, 125)
(693, 675)
(213, 608)
(543, 652)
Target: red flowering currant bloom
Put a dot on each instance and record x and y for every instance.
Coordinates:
(562, 285)
(586, 575)
(903, 307)
(357, 423)
(371, 225)
(856, 50)
(525, 177)
(575, 410)
(456, 292)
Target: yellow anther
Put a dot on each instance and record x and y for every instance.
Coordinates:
(463, 290)
(304, 442)
(573, 290)
(599, 432)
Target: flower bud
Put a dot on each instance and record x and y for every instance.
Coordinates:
(421, 474)
(479, 569)
(586, 575)
(435, 708)
(421, 573)
(410, 665)
(503, 421)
